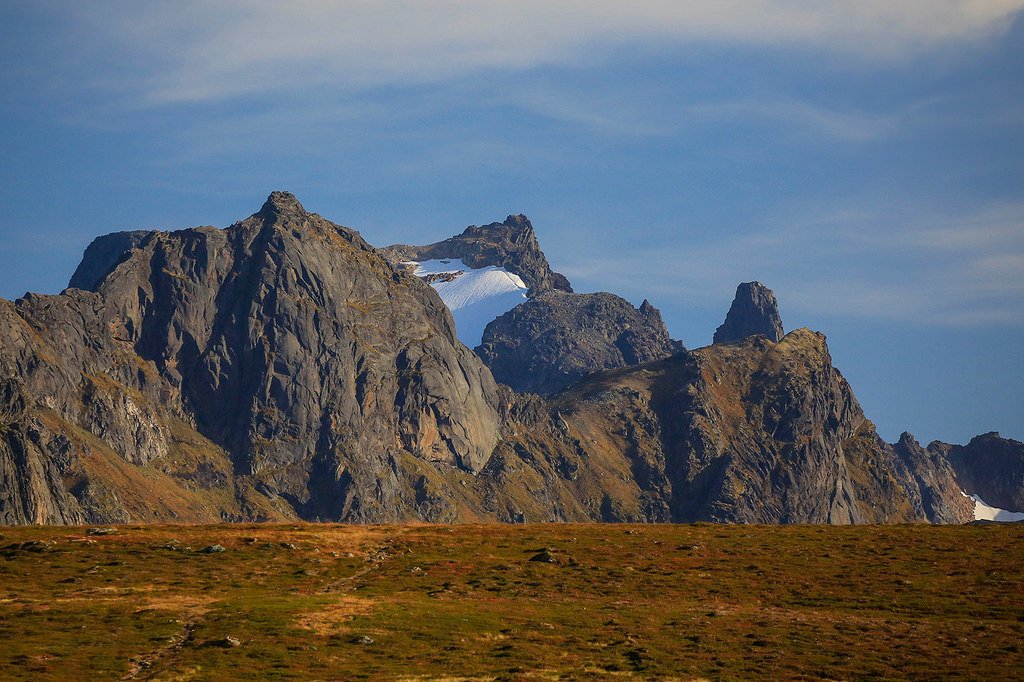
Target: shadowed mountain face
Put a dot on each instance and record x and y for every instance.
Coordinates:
(940, 492)
(552, 341)
(754, 310)
(990, 467)
(283, 368)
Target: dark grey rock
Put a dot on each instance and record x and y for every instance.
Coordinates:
(990, 466)
(103, 255)
(546, 556)
(754, 310)
(936, 480)
(228, 642)
(212, 549)
(545, 344)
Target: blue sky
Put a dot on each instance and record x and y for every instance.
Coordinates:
(864, 158)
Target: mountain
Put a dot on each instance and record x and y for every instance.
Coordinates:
(283, 368)
(754, 310)
(511, 245)
(283, 353)
(754, 432)
(941, 493)
(990, 467)
(555, 339)
(527, 324)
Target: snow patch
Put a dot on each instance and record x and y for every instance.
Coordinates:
(475, 296)
(985, 512)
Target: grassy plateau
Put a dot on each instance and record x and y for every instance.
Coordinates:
(313, 601)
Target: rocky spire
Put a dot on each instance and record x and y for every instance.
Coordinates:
(753, 311)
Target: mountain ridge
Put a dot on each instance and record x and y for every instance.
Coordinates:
(283, 368)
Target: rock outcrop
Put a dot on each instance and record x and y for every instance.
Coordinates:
(102, 255)
(940, 491)
(754, 310)
(990, 466)
(545, 344)
(511, 244)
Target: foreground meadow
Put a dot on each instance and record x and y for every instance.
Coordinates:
(511, 602)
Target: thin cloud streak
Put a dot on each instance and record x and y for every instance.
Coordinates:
(167, 53)
(963, 272)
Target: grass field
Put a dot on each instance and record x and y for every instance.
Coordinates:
(425, 602)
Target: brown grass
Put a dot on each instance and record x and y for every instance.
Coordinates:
(465, 602)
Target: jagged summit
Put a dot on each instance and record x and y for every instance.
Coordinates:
(555, 339)
(281, 202)
(754, 310)
(511, 244)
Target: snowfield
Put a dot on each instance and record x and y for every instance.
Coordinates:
(475, 297)
(984, 512)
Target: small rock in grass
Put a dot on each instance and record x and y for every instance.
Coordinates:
(288, 545)
(225, 642)
(687, 548)
(546, 556)
(212, 549)
(100, 531)
(363, 639)
(250, 540)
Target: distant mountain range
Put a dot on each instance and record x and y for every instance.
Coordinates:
(283, 368)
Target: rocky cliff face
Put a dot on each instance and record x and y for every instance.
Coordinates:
(754, 432)
(103, 255)
(936, 479)
(511, 244)
(990, 467)
(285, 340)
(555, 339)
(754, 310)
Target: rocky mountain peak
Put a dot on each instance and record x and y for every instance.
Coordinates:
(989, 466)
(754, 310)
(907, 439)
(511, 244)
(941, 499)
(553, 340)
(280, 203)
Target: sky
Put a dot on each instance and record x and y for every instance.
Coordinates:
(863, 158)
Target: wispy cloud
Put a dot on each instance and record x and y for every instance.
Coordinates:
(201, 51)
(845, 125)
(955, 271)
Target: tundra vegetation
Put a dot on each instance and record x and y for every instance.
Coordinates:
(495, 601)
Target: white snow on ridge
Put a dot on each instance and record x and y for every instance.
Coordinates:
(984, 512)
(475, 297)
